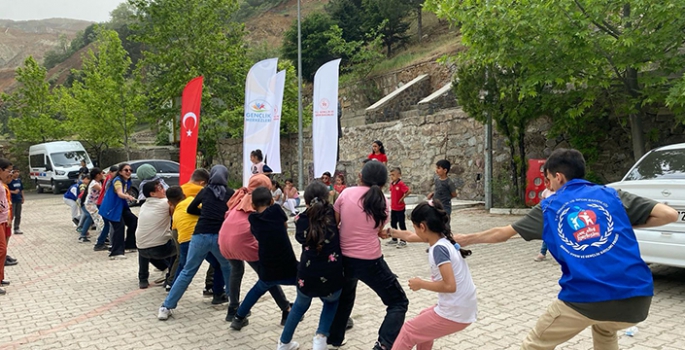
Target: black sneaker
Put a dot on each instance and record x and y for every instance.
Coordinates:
(100, 247)
(208, 292)
(83, 240)
(143, 284)
(219, 299)
(350, 324)
(238, 324)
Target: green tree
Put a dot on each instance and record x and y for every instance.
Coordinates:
(625, 50)
(349, 16)
(492, 90)
(101, 106)
(417, 6)
(184, 39)
(388, 18)
(315, 51)
(32, 104)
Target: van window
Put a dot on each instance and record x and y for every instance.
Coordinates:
(37, 160)
(67, 159)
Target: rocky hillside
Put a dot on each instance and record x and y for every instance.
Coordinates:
(20, 39)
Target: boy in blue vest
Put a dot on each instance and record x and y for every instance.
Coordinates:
(588, 229)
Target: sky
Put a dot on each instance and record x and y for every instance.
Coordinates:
(89, 10)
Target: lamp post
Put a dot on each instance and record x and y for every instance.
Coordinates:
(300, 160)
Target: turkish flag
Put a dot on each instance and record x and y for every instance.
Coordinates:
(190, 124)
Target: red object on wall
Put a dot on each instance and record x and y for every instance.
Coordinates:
(190, 110)
(535, 181)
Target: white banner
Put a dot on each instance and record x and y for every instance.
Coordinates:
(259, 102)
(325, 118)
(272, 151)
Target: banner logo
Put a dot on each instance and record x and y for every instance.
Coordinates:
(586, 226)
(260, 112)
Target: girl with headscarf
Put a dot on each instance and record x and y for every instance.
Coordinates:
(238, 245)
(211, 205)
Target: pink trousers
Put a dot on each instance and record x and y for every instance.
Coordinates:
(423, 329)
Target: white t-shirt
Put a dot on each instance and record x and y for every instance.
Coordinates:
(277, 193)
(462, 305)
(154, 223)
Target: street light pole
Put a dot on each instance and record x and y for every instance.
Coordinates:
(300, 160)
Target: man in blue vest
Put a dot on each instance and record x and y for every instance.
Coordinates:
(588, 229)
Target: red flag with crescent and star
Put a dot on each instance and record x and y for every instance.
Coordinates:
(190, 124)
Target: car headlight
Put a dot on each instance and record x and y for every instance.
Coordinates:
(60, 172)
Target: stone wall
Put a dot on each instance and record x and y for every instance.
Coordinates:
(400, 100)
(413, 144)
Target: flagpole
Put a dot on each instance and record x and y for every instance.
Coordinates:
(300, 160)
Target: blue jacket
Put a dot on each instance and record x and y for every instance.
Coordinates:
(112, 206)
(72, 192)
(588, 232)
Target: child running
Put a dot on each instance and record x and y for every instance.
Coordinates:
(398, 192)
(450, 278)
(320, 272)
(277, 262)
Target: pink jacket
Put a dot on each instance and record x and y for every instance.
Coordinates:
(236, 242)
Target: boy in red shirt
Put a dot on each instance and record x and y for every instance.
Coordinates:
(398, 192)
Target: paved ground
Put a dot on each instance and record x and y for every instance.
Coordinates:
(66, 296)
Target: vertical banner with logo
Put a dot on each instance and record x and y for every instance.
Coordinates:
(259, 101)
(190, 125)
(325, 118)
(272, 151)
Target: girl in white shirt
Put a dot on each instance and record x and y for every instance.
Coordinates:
(450, 278)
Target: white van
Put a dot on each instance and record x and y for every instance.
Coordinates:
(55, 165)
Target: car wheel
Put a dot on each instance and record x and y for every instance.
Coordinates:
(38, 188)
(54, 187)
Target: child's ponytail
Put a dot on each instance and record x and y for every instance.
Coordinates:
(375, 175)
(433, 214)
(319, 214)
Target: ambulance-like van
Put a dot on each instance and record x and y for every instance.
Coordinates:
(55, 165)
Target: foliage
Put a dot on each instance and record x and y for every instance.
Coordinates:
(101, 106)
(249, 8)
(349, 16)
(33, 106)
(185, 39)
(388, 18)
(315, 51)
(626, 50)
(359, 57)
(494, 90)
(64, 51)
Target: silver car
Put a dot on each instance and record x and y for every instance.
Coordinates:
(168, 170)
(660, 175)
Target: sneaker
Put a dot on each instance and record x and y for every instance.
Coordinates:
(117, 257)
(539, 258)
(164, 313)
(238, 324)
(391, 242)
(208, 292)
(75, 221)
(18, 232)
(293, 345)
(219, 299)
(143, 284)
(332, 346)
(2, 291)
(350, 324)
(379, 346)
(5, 283)
(83, 240)
(100, 247)
(9, 262)
(319, 342)
(167, 288)
(401, 244)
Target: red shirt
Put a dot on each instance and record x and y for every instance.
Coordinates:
(339, 188)
(397, 191)
(379, 157)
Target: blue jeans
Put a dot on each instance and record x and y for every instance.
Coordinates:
(87, 221)
(200, 245)
(260, 288)
(218, 286)
(301, 305)
(543, 248)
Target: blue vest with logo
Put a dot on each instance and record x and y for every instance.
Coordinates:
(588, 232)
(112, 206)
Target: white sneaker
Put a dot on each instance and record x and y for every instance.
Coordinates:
(163, 313)
(319, 342)
(391, 242)
(401, 244)
(293, 345)
(118, 257)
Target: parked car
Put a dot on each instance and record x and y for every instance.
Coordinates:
(660, 175)
(168, 170)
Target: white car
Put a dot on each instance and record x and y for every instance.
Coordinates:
(660, 175)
